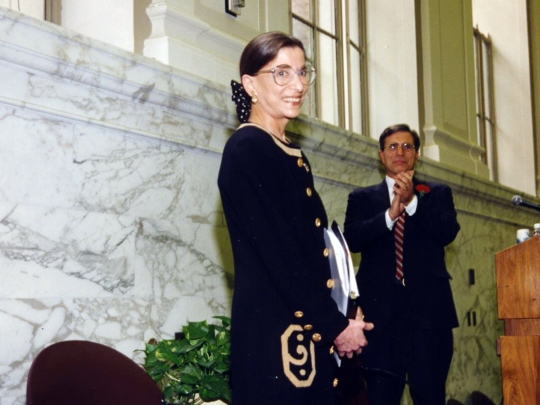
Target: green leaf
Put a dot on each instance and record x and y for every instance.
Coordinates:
(184, 390)
(214, 387)
(192, 374)
(157, 371)
(168, 392)
(209, 364)
(196, 330)
(225, 320)
(222, 367)
(164, 353)
(223, 338)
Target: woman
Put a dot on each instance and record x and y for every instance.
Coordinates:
(284, 321)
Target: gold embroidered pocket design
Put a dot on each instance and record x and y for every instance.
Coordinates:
(298, 355)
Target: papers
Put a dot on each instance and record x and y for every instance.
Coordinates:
(341, 267)
(344, 288)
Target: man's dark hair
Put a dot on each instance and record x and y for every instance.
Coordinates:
(399, 128)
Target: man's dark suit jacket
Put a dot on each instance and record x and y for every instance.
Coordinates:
(427, 232)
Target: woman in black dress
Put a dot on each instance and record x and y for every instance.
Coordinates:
(285, 324)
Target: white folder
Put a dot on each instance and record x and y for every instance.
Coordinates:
(344, 287)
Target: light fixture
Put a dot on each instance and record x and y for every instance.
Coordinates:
(234, 7)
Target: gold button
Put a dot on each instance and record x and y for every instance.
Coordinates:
(330, 283)
(335, 383)
(326, 252)
(332, 349)
(309, 192)
(308, 327)
(318, 222)
(300, 162)
(299, 314)
(317, 337)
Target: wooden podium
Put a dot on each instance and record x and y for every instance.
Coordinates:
(518, 289)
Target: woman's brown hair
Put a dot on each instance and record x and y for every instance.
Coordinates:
(263, 48)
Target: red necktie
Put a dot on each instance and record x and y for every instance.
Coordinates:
(398, 235)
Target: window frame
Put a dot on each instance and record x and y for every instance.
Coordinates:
(343, 61)
(53, 11)
(361, 49)
(485, 100)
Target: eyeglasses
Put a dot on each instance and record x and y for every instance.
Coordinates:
(284, 74)
(407, 148)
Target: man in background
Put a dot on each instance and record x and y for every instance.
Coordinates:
(401, 228)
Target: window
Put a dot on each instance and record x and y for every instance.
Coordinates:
(333, 33)
(485, 107)
(53, 11)
(48, 10)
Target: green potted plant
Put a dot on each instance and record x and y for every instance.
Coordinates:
(195, 368)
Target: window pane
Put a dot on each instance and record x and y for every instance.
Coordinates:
(356, 92)
(305, 34)
(327, 16)
(491, 154)
(303, 9)
(487, 80)
(354, 22)
(328, 80)
(310, 102)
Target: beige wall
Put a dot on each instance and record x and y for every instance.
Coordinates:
(105, 20)
(534, 47)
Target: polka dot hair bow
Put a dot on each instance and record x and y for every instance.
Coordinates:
(242, 100)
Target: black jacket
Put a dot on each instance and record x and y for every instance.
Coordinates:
(282, 310)
(427, 232)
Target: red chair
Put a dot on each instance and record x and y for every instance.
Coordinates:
(88, 373)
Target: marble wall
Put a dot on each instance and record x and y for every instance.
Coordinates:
(110, 222)
(111, 228)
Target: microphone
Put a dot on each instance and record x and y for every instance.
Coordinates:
(517, 200)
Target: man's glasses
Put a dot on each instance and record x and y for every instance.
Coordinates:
(407, 148)
(283, 75)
